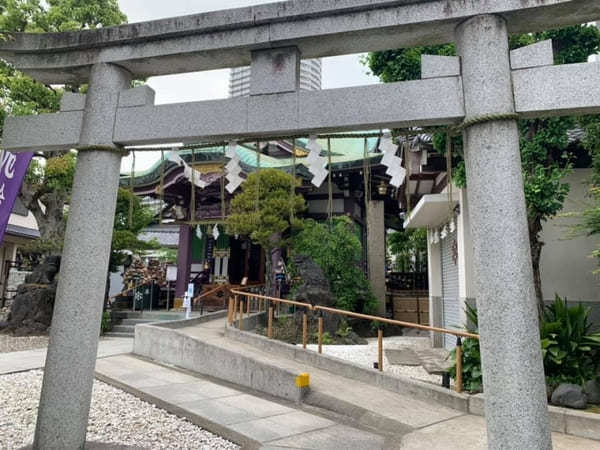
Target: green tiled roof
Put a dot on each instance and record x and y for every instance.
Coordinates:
(346, 153)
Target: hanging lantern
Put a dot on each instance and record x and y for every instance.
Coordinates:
(382, 188)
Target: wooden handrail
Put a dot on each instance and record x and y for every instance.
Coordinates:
(396, 322)
(310, 307)
(272, 299)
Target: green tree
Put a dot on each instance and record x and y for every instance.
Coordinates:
(262, 212)
(543, 141)
(47, 187)
(409, 248)
(337, 250)
(125, 235)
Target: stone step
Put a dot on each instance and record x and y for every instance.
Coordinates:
(134, 322)
(116, 334)
(124, 329)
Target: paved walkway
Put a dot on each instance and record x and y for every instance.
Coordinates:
(246, 418)
(254, 421)
(36, 359)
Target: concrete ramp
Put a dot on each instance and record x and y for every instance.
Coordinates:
(202, 346)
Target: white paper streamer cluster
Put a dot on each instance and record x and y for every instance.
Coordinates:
(315, 163)
(438, 234)
(391, 161)
(188, 172)
(233, 169)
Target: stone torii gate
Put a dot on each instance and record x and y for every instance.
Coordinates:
(486, 82)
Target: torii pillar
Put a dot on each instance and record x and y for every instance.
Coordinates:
(71, 359)
(513, 373)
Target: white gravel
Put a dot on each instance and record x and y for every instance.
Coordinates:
(10, 343)
(366, 355)
(115, 417)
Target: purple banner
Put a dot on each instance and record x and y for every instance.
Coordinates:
(13, 168)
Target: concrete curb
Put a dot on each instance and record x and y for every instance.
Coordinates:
(562, 420)
(164, 343)
(227, 433)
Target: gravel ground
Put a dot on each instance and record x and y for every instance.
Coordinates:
(366, 355)
(115, 417)
(10, 343)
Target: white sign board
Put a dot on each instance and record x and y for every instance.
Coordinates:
(171, 273)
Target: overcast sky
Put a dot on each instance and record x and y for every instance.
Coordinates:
(341, 71)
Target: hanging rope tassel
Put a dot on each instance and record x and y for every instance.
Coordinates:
(193, 190)
(131, 177)
(449, 172)
(162, 187)
(258, 176)
(293, 186)
(407, 162)
(223, 188)
(330, 198)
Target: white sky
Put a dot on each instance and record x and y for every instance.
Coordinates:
(343, 71)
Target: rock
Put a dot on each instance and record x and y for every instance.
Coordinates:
(592, 389)
(569, 395)
(31, 309)
(313, 287)
(44, 273)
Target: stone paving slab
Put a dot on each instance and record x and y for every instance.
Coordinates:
(469, 432)
(402, 357)
(36, 359)
(233, 413)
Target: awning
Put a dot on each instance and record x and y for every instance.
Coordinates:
(431, 211)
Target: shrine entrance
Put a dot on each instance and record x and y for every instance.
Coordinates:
(481, 94)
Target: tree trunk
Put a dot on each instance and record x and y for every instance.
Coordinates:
(535, 228)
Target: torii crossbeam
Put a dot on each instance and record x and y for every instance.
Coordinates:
(487, 82)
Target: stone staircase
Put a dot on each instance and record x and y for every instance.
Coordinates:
(127, 320)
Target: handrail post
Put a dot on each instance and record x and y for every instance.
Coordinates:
(235, 306)
(380, 348)
(320, 331)
(241, 315)
(230, 311)
(249, 306)
(459, 375)
(304, 329)
(270, 322)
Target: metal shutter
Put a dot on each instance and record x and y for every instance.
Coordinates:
(450, 301)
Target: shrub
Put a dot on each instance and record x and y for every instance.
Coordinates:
(337, 250)
(472, 377)
(571, 353)
(106, 324)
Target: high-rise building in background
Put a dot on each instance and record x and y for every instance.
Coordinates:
(310, 78)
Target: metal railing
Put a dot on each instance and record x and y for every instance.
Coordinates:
(242, 303)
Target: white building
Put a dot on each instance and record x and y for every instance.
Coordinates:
(566, 268)
(22, 228)
(310, 78)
